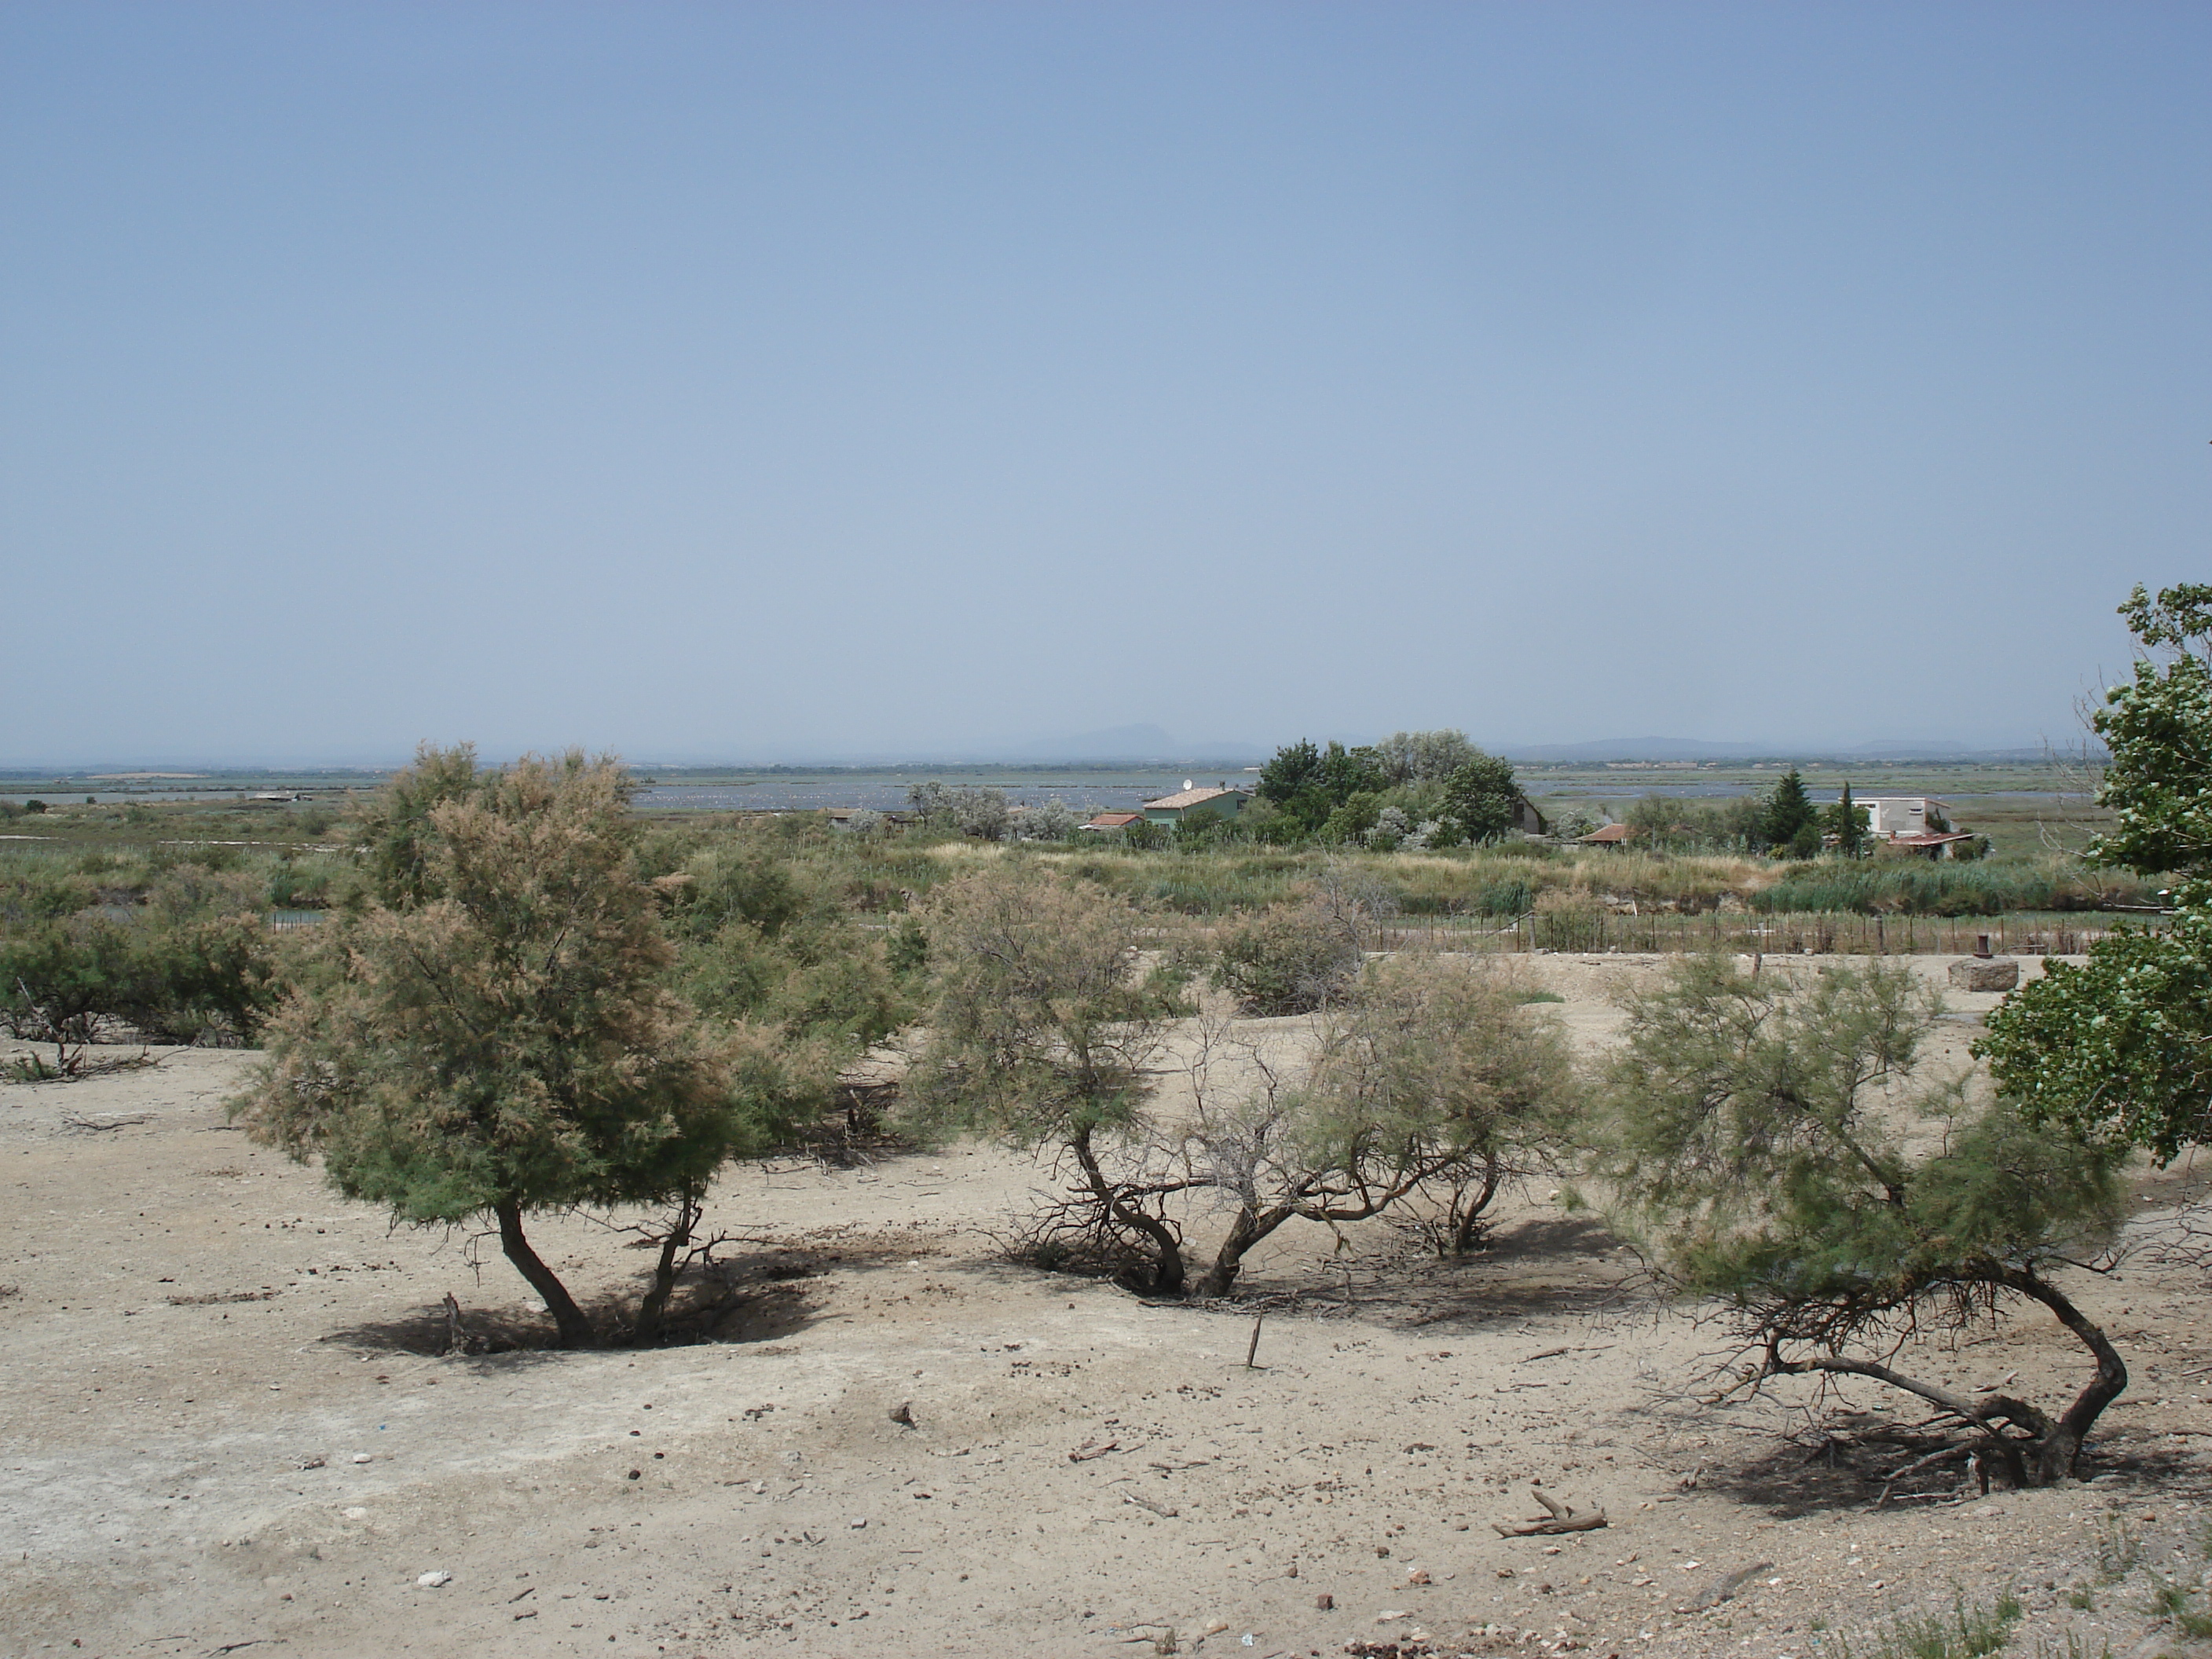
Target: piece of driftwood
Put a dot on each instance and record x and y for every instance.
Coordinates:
(1089, 1450)
(459, 1339)
(1562, 1518)
(1724, 1587)
(1144, 1503)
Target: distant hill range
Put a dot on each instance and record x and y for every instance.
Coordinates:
(1655, 750)
(1153, 745)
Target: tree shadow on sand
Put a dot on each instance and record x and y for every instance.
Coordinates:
(757, 1294)
(1839, 1467)
(1545, 1266)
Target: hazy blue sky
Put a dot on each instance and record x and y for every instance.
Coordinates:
(781, 381)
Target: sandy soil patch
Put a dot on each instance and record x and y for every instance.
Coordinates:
(226, 1427)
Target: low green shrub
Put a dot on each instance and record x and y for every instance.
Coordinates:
(1897, 887)
(1289, 959)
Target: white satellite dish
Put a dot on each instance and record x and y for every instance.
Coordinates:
(1188, 784)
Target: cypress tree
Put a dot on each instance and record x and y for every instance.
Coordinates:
(1788, 809)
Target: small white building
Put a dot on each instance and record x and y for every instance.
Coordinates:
(1891, 816)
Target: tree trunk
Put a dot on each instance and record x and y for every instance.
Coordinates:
(1250, 1226)
(651, 1311)
(1466, 1216)
(1167, 1275)
(2060, 1446)
(2038, 1451)
(575, 1329)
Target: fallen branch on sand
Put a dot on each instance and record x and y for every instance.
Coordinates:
(1724, 1587)
(83, 1125)
(1562, 1518)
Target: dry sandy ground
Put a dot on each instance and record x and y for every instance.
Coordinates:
(225, 1427)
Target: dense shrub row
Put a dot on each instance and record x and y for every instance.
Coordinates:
(781, 920)
(1987, 889)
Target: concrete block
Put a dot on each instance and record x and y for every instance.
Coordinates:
(1985, 974)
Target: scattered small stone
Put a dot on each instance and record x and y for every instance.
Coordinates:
(1417, 1575)
(637, 1475)
(435, 1579)
(361, 1457)
(902, 1414)
(858, 1523)
(1325, 1602)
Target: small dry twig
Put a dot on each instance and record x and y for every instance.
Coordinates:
(78, 1121)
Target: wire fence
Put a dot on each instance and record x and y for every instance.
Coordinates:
(1819, 933)
(1823, 933)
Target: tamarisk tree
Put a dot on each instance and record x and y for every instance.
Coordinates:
(1777, 1143)
(1044, 1030)
(488, 1033)
(1431, 1076)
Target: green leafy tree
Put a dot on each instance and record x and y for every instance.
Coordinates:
(1480, 797)
(1306, 784)
(1352, 818)
(489, 1032)
(1348, 772)
(980, 810)
(1775, 1143)
(1423, 756)
(1789, 809)
(2158, 725)
(1294, 773)
(2120, 1046)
